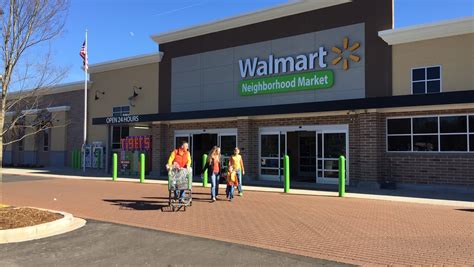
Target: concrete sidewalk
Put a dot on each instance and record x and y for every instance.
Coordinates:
(467, 200)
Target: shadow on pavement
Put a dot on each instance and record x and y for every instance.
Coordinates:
(138, 204)
(197, 199)
(468, 210)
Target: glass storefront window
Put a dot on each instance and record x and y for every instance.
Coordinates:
(425, 125)
(425, 143)
(399, 126)
(269, 145)
(334, 145)
(228, 144)
(436, 133)
(118, 132)
(453, 124)
(453, 142)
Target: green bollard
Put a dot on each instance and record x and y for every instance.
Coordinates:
(286, 163)
(114, 167)
(204, 177)
(73, 158)
(342, 176)
(78, 158)
(142, 167)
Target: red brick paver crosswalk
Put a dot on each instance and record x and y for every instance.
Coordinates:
(358, 231)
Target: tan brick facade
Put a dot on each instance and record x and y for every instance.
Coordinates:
(65, 135)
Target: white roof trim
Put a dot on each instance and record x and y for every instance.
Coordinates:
(56, 89)
(37, 110)
(288, 9)
(422, 32)
(59, 108)
(126, 62)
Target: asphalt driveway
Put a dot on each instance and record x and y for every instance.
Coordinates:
(107, 244)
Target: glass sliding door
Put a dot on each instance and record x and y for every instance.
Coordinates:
(307, 157)
(330, 145)
(272, 150)
(202, 144)
(227, 143)
(179, 139)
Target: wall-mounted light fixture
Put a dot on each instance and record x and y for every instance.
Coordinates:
(135, 94)
(97, 92)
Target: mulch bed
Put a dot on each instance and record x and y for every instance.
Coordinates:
(12, 217)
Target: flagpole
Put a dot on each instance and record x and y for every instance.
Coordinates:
(85, 107)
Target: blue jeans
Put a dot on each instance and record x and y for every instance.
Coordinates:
(229, 191)
(215, 184)
(239, 178)
(179, 194)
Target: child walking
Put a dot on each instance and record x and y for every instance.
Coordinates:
(232, 181)
(238, 165)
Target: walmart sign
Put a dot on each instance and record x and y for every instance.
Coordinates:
(293, 82)
(253, 68)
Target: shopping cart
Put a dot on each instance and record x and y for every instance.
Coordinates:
(180, 188)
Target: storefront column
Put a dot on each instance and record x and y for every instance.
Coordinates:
(371, 147)
(247, 137)
(159, 144)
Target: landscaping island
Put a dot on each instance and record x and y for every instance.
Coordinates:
(18, 224)
(17, 217)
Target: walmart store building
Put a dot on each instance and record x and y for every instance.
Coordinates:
(314, 80)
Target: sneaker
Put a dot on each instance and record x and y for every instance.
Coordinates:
(241, 194)
(213, 199)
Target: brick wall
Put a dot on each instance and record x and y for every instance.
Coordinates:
(368, 159)
(428, 168)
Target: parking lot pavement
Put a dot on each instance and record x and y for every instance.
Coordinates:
(349, 230)
(107, 244)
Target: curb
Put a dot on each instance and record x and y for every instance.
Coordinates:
(66, 224)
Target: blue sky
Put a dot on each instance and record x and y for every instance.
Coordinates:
(122, 28)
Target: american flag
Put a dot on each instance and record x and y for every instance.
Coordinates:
(83, 54)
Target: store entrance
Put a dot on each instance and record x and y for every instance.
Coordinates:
(302, 152)
(313, 152)
(202, 143)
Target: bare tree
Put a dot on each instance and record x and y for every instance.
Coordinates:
(27, 24)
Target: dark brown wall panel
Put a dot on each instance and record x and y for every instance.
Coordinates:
(376, 14)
